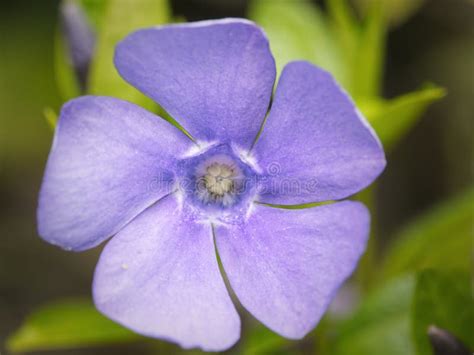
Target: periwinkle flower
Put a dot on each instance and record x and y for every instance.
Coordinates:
(170, 202)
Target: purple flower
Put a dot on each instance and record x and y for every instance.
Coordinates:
(169, 201)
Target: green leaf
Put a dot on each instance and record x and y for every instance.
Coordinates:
(297, 30)
(443, 299)
(368, 263)
(261, 340)
(347, 33)
(441, 238)
(68, 324)
(392, 119)
(51, 117)
(350, 50)
(94, 10)
(66, 80)
(395, 11)
(120, 17)
(367, 66)
(345, 22)
(381, 325)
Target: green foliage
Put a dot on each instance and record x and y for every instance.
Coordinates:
(66, 80)
(395, 318)
(381, 325)
(395, 11)
(302, 32)
(443, 299)
(51, 117)
(94, 10)
(361, 46)
(120, 17)
(352, 50)
(261, 340)
(367, 64)
(68, 324)
(442, 238)
(393, 119)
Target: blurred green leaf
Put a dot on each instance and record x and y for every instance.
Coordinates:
(365, 270)
(395, 11)
(94, 10)
(381, 325)
(367, 65)
(260, 340)
(442, 299)
(344, 22)
(67, 324)
(347, 33)
(301, 33)
(66, 80)
(121, 17)
(442, 238)
(50, 116)
(392, 119)
(350, 50)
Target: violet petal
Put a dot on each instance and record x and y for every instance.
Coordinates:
(315, 145)
(159, 277)
(285, 266)
(214, 77)
(109, 161)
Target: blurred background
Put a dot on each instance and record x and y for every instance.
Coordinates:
(431, 164)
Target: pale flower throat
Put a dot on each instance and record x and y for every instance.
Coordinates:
(219, 179)
(217, 184)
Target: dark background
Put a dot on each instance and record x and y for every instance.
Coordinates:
(434, 162)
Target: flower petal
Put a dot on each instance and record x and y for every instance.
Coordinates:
(159, 277)
(285, 266)
(109, 161)
(214, 77)
(315, 145)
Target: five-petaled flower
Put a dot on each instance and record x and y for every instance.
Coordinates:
(170, 202)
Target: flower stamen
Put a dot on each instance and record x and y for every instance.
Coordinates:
(218, 183)
(219, 179)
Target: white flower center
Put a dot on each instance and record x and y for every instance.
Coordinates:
(219, 179)
(218, 182)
